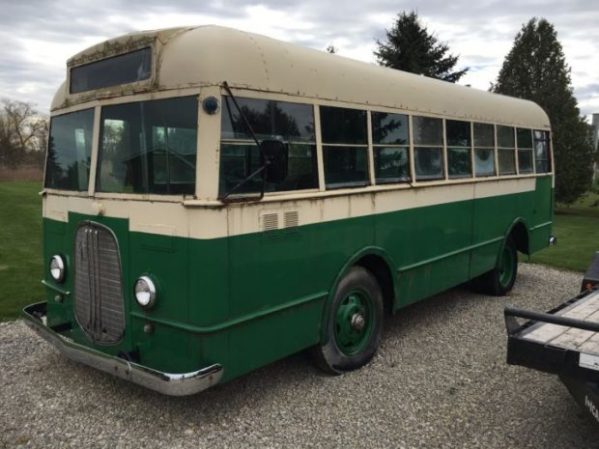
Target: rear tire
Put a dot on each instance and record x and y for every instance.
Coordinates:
(354, 326)
(500, 280)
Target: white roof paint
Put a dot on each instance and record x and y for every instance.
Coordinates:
(209, 55)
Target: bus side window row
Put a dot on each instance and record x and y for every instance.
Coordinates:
(471, 148)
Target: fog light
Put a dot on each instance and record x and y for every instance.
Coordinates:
(57, 268)
(145, 292)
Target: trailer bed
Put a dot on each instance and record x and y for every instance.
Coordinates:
(564, 341)
(567, 337)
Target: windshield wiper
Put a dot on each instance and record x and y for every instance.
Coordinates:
(265, 161)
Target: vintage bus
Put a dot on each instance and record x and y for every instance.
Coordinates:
(215, 200)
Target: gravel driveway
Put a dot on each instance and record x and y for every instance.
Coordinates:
(439, 381)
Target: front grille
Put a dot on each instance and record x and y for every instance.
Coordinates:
(98, 287)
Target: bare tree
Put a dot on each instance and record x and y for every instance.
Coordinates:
(23, 133)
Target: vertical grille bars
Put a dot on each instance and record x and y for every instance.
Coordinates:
(99, 307)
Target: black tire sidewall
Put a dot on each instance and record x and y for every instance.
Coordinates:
(497, 288)
(335, 360)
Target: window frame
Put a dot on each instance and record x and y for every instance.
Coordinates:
(406, 146)
(338, 146)
(417, 146)
(493, 148)
(98, 149)
(78, 66)
(449, 147)
(316, 158)
(549, 159)
(501, 148)
(92, 151)
(527, 149)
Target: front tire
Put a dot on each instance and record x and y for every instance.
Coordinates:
(354, 326)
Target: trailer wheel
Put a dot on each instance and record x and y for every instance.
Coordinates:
(500, 280)
(354, 324)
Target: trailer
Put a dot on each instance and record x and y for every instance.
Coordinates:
(563, 341)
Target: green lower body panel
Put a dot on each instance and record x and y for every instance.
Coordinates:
(244, 301)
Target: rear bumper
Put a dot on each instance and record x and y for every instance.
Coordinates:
(172, 384)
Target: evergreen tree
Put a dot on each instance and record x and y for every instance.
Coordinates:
(410, 47)
(536, 69)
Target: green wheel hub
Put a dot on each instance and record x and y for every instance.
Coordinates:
(354, 322)
(507, 266)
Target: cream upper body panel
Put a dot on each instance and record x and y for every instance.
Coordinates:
(180, 220)
(210, 55)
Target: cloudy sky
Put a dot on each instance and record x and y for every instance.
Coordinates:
(38, 36)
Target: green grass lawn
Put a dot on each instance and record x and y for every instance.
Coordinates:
(577, 241)
(587, 204)
(576, 227)
(20, 246)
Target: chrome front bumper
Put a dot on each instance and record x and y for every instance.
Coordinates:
(178, 384)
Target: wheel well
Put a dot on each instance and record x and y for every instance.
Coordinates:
(380, 270)
(520, 236)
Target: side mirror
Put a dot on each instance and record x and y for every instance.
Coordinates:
(276, 158)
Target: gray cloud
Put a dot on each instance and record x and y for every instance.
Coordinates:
(589, 89)
(313, 23)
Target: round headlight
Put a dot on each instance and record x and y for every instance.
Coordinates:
(145, 292)
(57, 268)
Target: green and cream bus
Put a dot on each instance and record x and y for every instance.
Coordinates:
(216, 200)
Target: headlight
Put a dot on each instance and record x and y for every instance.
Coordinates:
(57, 268)
(145, 292)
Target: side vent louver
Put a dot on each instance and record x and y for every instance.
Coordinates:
(271, 221)
(291, 219)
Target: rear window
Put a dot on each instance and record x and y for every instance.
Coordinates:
(122, 69)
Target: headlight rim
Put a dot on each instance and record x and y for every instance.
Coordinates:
(152, 290)
(61, 266)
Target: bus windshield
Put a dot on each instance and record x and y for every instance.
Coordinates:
(148, 147)
(69, 151)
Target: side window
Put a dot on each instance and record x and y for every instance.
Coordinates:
(69, 150)
(459, 147)
(390, 140)
(428, 148)
(542, 155)
(506, 150)
(525, 155)
(344, 146)
(290, 122)
(484, 149)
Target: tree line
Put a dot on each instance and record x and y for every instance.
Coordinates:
(534, 69)
(23, 134)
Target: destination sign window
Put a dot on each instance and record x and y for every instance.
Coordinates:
(121, 69)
